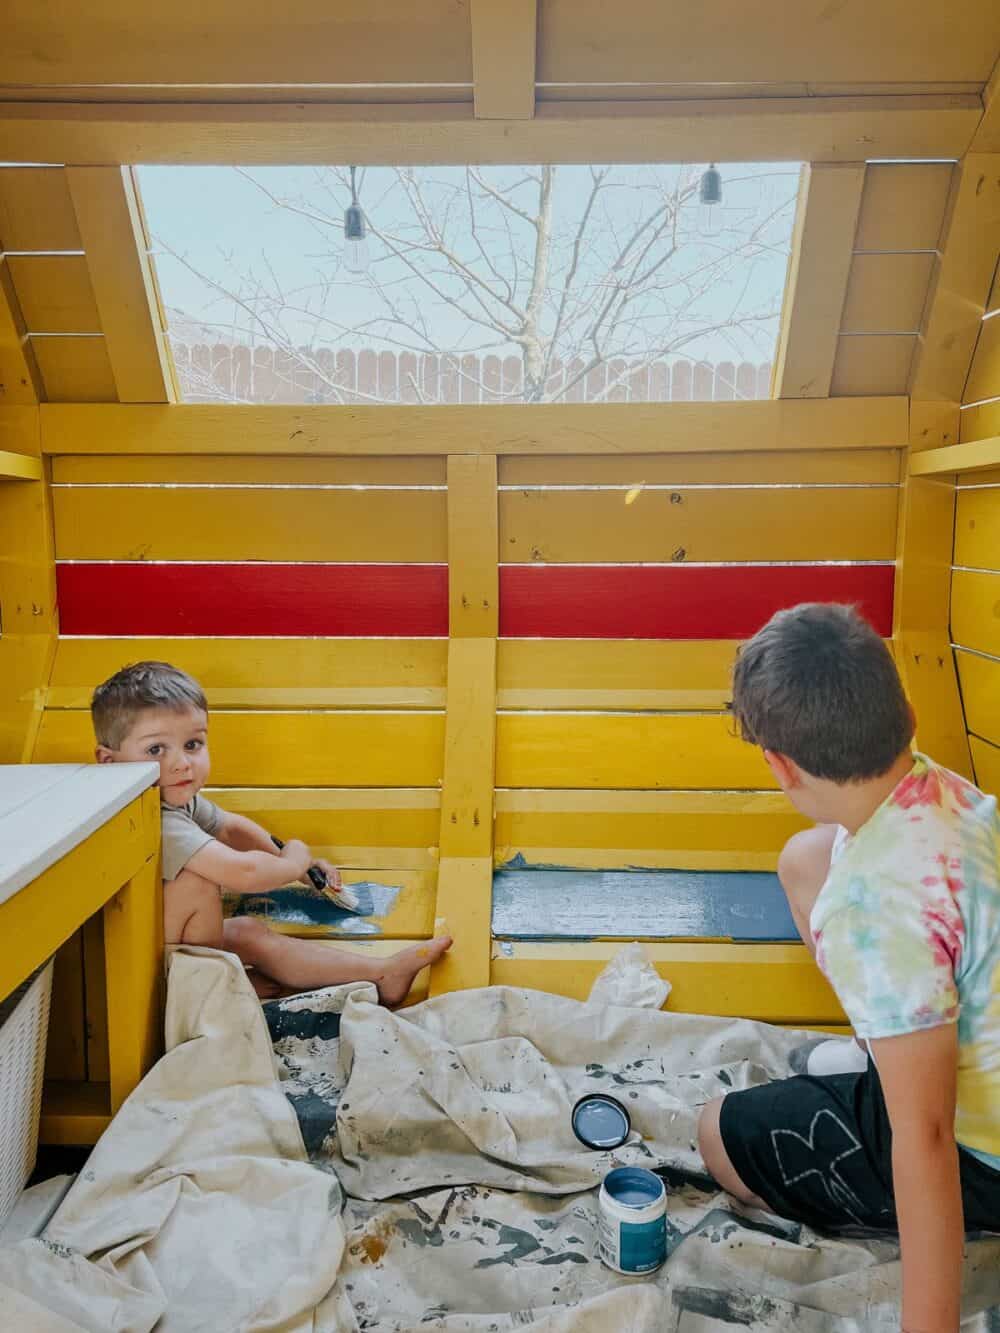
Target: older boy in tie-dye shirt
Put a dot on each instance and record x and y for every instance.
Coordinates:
(897, 891)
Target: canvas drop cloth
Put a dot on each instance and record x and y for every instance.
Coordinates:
(213, 1200)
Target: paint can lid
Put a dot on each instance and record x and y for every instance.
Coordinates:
(599, 1121)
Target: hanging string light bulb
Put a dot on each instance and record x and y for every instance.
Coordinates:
(709, 201)
(356, 256)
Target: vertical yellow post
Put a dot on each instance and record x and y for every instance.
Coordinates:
(133, 955)
(465, 870)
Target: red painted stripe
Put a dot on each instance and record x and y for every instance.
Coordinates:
(678, 602)
(219, 600)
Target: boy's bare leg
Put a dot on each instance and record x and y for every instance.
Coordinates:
(299, 965)
(802, 869)
(192, 911)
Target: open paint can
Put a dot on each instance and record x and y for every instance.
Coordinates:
(633, 1220)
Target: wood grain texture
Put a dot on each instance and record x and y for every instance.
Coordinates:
(36, 211)
(977, 528)
(808, 466)
(54, 293)
(473, 590)
(252, 600)
(503, 58)
(872, 363)
(975, 611)
(676, 602)
(194, 470)
(74, 370)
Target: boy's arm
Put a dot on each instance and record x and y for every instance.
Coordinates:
(242, 834)
(918, 1074)
(250, 871)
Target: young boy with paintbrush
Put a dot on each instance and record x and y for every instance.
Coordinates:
(154, 712)
(897, 893)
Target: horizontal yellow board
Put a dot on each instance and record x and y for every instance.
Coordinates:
(237, 524)
(267, 673)
(772, 983)
(569, 428)
(682, 830)
(829, 467)
(36, 211)
(698, 525)
(977, 528)
(614, 673)
(974, 462)
(986, 759)
(903, 205)
(984, 373)
(363, 827)
(54, 293)
(75, 370)
(293, 749)
(987, 476)
(980, 681)
(872, 363)
(19, 467)
(627, 750)
(411, 916)
(190, 470)
(886, 293)
(975, 610)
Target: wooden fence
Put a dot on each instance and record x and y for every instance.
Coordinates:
(243, 374)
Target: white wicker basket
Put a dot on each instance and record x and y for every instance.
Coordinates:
(24, 1025)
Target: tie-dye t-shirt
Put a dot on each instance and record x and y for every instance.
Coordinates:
(907, 931)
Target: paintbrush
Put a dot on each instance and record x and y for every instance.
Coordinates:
(343, 897)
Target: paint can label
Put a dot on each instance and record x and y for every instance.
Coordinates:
(633, 1247)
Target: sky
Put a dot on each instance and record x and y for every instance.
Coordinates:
(256, 255)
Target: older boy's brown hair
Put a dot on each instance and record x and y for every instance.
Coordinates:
(119, 701)
(818, 685)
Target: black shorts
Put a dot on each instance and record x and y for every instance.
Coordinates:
(819, 1150)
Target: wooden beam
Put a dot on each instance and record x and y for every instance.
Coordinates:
(962, 284)
(473, 579)
(107, 211)
(20, 382)
(974, 456)
(796, 129)
(503, 58)
(19, 467)
(552, 428)
(825, 224)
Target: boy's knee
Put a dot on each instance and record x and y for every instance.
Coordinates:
(243, 931)
(804, 862)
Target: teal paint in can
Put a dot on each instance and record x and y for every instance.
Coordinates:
(633, 1220)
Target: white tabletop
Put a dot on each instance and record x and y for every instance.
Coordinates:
(48, 809)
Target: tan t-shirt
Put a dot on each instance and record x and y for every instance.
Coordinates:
(186, 830)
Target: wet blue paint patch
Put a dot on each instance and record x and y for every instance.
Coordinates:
(301, 906)
(537, 904)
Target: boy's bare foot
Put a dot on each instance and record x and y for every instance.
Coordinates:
(399, 971)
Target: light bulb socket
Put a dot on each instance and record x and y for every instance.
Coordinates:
(354, 223)
(710, 189)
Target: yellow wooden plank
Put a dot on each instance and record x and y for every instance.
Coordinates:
(74, 1113)
(657, 751)
(698, 525)
(74, 370)
(973, 458)
(872, 363)
(982, 422)
(903, 205)
(467, 792)
(20, 381)
(614, 674)
(554, 428)
(683, 830)
(986, 758)
(962, 281)
(410, 918)
(464, 907)
(802, 129)
(36, 211)
(503, 58)
(96, 999)
(66, 1048)
(267, 673)
(886, 293)
(473, 580)
(20, 429)
(48, 911)
(975, 611)
(984, 373)
(977, 528)
(54, 293)
(293, 749)
(987, 136)
(826, 220)
(19, 467)
(986, 477)
(365, 828)
(232, 523)
(192, 470)
(107, 211)
(980, 678)
(933, 425)
(854, 466)
(772, 983)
